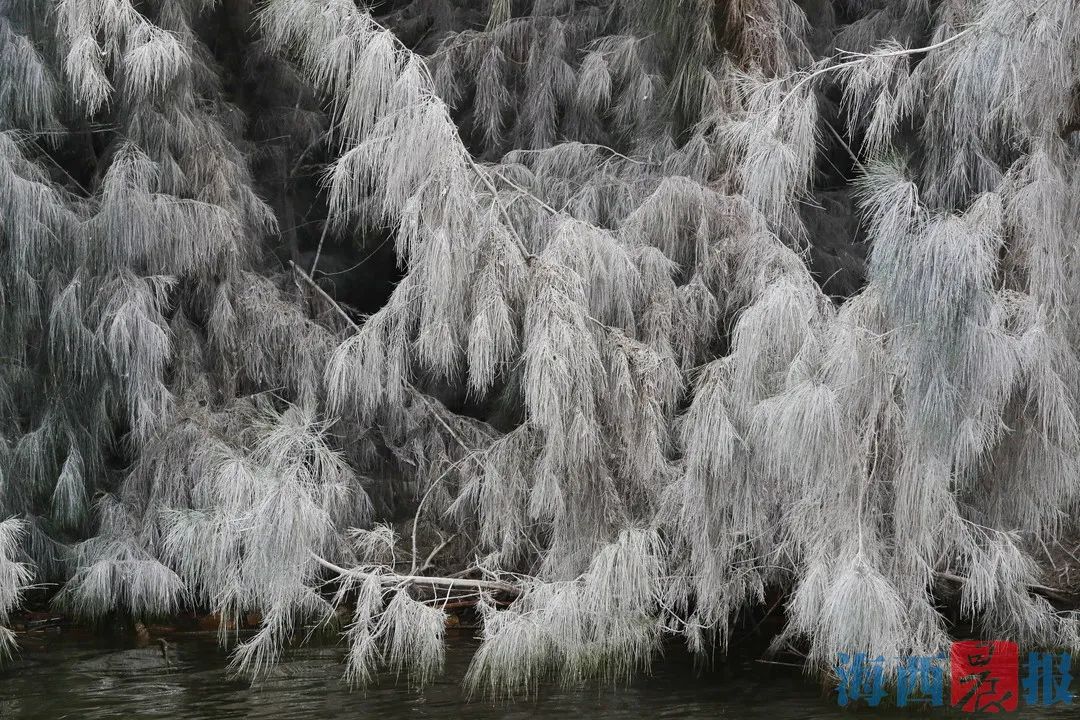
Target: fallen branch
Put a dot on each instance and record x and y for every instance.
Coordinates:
(444, 582)
(1052, 593)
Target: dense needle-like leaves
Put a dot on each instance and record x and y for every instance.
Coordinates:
(554, 281)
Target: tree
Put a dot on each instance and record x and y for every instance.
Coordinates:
(625, 368)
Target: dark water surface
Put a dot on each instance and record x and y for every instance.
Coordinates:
(66, 676)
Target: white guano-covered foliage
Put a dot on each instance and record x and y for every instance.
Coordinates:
(608, 393)
(14, 578)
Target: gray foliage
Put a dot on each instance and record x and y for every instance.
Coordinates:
(607, 368)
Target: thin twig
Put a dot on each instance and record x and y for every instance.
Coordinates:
(324, 295)
(438, 548)
(420, 508)
(431, 408)
(777, 662)
(318, 250)
(844, 144)
(364, 260)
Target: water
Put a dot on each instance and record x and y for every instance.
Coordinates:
(68, 675)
